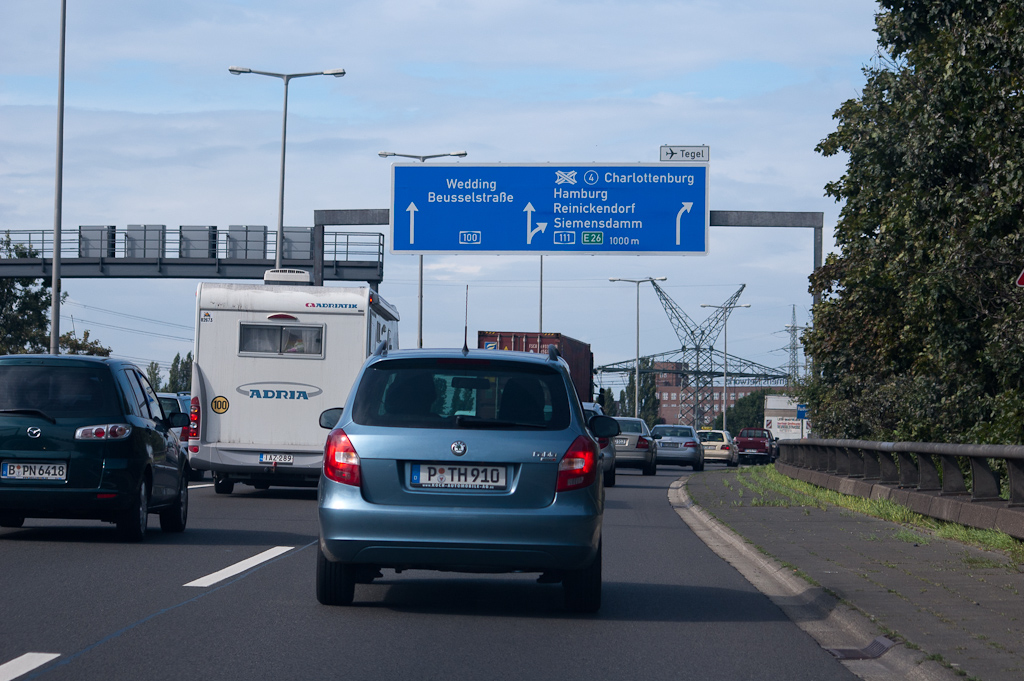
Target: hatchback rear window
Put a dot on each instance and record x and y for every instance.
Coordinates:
(58, 391)
(447, 393)
(672, 432)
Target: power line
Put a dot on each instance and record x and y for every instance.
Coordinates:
(127, 330)
(188, 327)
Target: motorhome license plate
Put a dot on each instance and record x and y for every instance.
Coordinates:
(276, 458)
(445, 476)
(34, 471)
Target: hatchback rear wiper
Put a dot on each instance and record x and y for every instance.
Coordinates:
(462, 421)
(35, 412)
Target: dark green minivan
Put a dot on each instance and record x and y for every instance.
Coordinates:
(85, 437)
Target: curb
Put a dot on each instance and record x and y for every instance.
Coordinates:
(828, 621)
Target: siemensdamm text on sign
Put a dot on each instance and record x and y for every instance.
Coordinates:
(549, 209)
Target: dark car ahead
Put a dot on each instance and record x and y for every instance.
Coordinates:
(85, 437)
(475, 461)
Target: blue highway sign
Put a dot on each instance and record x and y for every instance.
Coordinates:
(550, 209)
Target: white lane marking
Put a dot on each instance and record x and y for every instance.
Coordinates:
(209, 484)
(244, 565)
(24, 664)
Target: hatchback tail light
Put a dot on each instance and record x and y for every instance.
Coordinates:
(111, 431)
(578, 467)
(341, 463)
(726, 447)
(642, 442)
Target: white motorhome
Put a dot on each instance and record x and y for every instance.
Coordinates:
(268, 360)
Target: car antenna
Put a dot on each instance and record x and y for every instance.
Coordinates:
(465, 329)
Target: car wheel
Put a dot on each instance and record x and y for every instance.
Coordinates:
(582, 588)
(223, 485)
(699, 466)
(335, 582)
(196, 476)
(133, 522)
(11, 520)
(609, 477)
(173, 519)
(651, 468)
(733, 464)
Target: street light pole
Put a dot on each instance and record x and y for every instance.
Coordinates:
(636, 379)
(58, 194)
(239, 70)
(421, 159)
(725, 356)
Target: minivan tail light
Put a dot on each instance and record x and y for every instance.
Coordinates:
(341, 463)
(578, 468)
(111, 431)
(194, 416)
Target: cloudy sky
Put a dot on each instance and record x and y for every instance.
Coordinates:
(158, 132)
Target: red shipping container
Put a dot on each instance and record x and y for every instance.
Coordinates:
(576, 353)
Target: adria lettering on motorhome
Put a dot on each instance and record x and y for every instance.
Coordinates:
(278, 391)
(335, 306)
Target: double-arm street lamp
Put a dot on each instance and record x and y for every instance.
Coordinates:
(421, 159)
(636, 380)
(239, 70)
(725, 355)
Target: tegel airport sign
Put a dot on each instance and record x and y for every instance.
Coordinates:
(550, 209)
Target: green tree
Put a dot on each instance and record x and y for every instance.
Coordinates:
(919, 329)
(179, 378)
(24, 307)
(607, 401)
(153, 374)
(649, 402)
(71, 344)
(748, 412)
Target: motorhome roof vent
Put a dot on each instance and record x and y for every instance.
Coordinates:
(287, 277)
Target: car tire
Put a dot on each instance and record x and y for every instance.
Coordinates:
(174, 518)
(335, 582)
(11, 520)
(651, 468)
(223, 485)
(133, 522)
(609, 477)
(699, 466)
(582, 588)
(733, 464)
(196, 476)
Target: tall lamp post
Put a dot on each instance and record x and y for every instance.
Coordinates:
(239, 70)
(725, 356)
(58, 193)
(421, 159)
(636, 379)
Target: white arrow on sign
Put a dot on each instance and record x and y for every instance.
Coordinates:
(412, 224)
(530, 230)
(687, 205)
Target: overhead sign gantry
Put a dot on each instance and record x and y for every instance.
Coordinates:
(550, 209)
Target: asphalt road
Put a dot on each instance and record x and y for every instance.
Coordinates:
(671, 608)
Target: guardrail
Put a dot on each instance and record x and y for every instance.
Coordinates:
(913, 465)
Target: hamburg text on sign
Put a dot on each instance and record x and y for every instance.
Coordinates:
(550, 209)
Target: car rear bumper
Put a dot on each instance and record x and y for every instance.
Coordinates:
(562, 536)
(679, 456)
(243, 465)
(65, 503)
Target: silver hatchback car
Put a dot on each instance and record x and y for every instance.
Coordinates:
(467, 461)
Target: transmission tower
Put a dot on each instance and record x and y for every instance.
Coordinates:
(700, 361)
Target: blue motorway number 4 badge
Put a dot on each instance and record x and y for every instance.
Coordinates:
(550, 209)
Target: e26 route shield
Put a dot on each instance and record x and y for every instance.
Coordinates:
(550, 209)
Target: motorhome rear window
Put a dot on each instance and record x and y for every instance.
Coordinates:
(289, 340)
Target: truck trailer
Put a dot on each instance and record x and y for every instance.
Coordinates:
(576, 353)
(268, 360)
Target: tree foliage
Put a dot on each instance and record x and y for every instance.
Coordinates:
(919, 331)
(24, 307)
(153, 374)
(649, 401)
(748, 412)
(179, 378)
(71, 344)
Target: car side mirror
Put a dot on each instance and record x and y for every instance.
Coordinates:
(657, 436)
(330, 417)
(178, 419)
(604, 426)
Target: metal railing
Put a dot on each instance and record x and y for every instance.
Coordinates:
(234, 242)
(923, 466)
